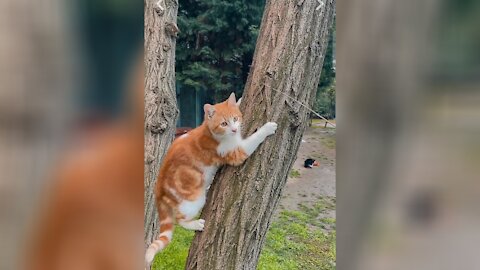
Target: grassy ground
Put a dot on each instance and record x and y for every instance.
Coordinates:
(175, 255)
(302, 239)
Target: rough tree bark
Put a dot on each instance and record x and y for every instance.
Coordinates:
(160, 98)
(288, 60)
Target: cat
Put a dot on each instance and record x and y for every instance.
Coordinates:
(191, 163)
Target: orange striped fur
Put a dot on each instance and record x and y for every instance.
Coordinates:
(190, 165)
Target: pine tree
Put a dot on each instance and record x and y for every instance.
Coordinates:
(216, 44)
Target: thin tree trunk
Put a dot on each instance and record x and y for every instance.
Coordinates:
(287, 61)
(160, 98)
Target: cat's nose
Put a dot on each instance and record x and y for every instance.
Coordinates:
(234, 130)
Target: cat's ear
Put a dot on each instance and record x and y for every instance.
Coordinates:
(231, 100)
(209, 110)
(239, 101)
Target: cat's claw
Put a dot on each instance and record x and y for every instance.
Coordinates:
(270, 127)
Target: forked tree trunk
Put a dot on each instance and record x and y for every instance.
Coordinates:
(287, 62)
(160, 98)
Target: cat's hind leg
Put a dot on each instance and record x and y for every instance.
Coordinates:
(190, 186)
(188, 210)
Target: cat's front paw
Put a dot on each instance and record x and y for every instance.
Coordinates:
(194, 225)
(198, 225)
(270, 128)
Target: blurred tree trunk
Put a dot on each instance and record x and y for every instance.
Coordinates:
(383, 62)
(35, 111)
(160, 98)
(288, 59)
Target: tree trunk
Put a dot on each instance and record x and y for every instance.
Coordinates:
(287, 62)
(36, 91)
(383, 60)
(160, 98)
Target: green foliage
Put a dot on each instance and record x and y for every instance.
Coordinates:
(216, 44)
(215, 49)
(327, 77)
(325, 101)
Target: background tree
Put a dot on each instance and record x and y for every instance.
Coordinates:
(160, 100)
(325, 100)
(287, 62)
(216, 45)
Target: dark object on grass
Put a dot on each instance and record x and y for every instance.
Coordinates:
(309, 163)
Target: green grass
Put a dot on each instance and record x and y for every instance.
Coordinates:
(175, 255)
(294, 173)
(329, 142)
(296, 240)
(320, 123)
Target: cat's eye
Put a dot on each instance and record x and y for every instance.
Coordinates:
(235, 119)
(224, 124)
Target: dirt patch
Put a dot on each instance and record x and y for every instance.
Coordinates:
(305, 186)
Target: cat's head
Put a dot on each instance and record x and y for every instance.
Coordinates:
(224, 119)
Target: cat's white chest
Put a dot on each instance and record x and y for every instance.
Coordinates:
(229, 144)
(208, 175)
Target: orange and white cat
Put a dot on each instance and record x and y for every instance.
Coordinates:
(191, 163)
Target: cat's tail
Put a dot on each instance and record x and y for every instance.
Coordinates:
(165, 214)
